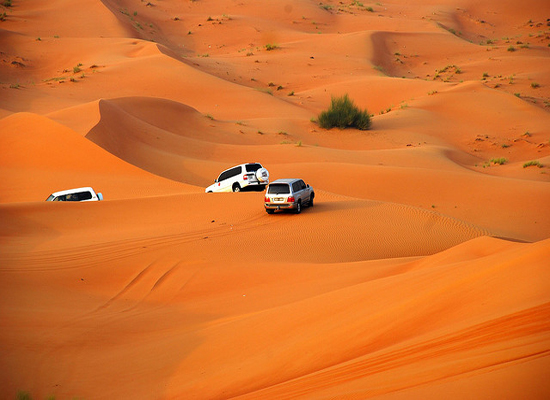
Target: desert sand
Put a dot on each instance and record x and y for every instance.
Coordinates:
(422, 271)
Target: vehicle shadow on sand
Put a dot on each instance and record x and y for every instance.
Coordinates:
(321, 207)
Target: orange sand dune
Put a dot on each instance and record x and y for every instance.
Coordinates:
(420, 273)
(45, 157)
(390, 326)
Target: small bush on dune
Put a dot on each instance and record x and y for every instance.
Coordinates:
(23, 396)
(343, 113)
(532, 164)
(499, 161)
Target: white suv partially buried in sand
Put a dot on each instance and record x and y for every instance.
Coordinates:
(78, 194)
(239, 177)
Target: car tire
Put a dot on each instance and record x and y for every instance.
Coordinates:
(236, 187)
(311, 200)
(298, 209)
(269, 211)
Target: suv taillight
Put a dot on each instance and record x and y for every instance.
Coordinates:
(245, 177)
(266, 199)
(291, 199)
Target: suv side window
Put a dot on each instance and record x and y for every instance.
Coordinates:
(223, 176)
(229, 174)
(296, 187)
(234, 172)
(84, 196)
(302, 184)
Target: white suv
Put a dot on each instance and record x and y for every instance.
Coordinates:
(78, 194)
(250, 175)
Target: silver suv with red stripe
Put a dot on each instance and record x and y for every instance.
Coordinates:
(288, 194)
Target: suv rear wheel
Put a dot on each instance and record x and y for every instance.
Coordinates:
(298, 207)
(236, 187)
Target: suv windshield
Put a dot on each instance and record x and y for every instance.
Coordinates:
(252, 167)
(279, 188)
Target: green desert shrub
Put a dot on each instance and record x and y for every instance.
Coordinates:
(498, 161)
(532, 164)
(21, 395)
(343, 113)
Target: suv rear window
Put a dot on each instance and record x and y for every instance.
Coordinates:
(278, 188)
(252, 167)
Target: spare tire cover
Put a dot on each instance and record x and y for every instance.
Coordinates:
(262, 174)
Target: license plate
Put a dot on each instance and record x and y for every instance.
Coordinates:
(278, 199)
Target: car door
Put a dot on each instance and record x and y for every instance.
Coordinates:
(304, 191)
(231, 176)
(297, 192)
(222, 181)
(235, 177)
